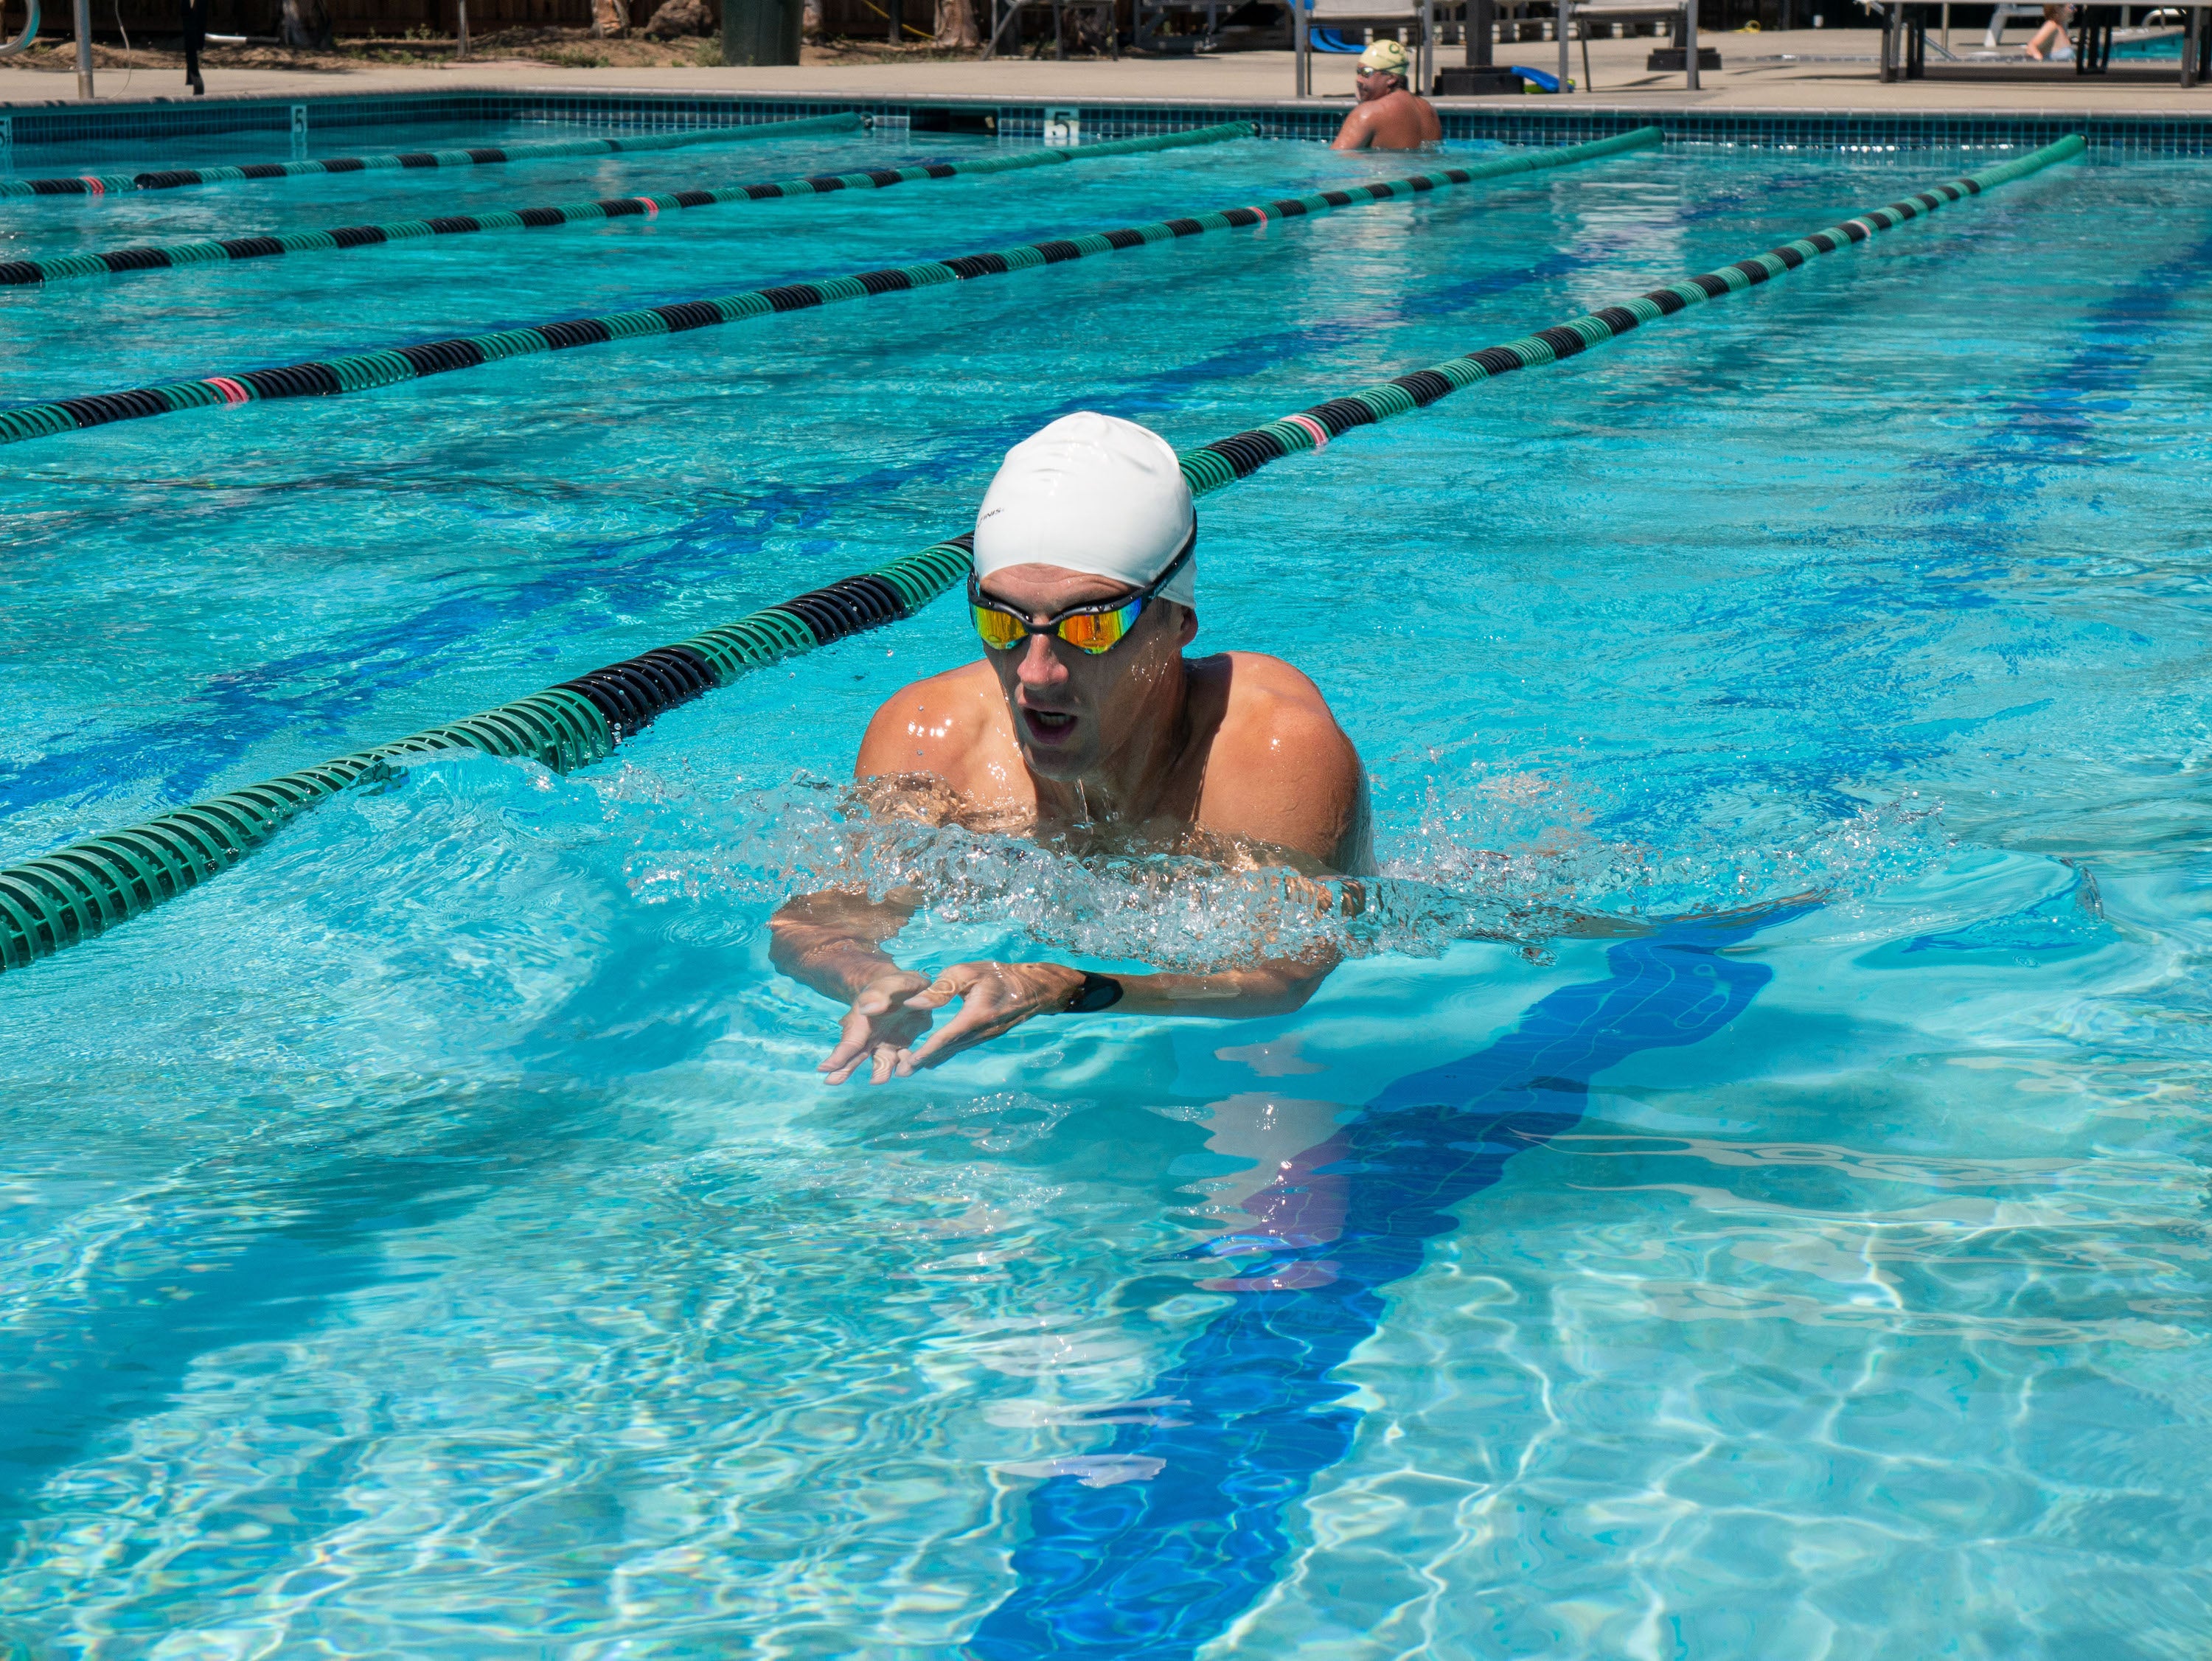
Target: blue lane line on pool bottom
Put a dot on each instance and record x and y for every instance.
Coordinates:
(1150, 1570)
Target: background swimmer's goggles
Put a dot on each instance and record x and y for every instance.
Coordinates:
(1094, 629)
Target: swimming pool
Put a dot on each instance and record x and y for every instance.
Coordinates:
(429, 1239)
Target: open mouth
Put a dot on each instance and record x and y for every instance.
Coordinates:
(1047, 726)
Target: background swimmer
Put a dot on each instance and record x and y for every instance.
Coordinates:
(1391, 115)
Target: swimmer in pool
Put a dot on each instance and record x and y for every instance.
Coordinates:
(1085, 725)
(1391, 115)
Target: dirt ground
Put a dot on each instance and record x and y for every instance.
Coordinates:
(572, 49)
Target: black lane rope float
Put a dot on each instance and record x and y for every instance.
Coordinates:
(81, 890)
(363, 371)
(215, 252)
(175, 179)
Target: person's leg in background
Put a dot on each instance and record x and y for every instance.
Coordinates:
(194, 13)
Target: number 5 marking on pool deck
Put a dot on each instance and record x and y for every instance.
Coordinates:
(1063, 126)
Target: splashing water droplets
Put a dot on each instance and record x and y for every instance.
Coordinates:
(1513, 857)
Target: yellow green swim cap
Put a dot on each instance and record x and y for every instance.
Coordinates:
(1384, 57)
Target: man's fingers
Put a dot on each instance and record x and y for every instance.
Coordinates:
(885, 993)
(975, 1022)
(944, 1045)
(936, 996)
(879, 1031)
(953, 1032)
(958, 981)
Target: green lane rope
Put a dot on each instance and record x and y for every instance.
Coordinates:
(1226, 460)
(48, 903)
(70, 895)
(362, 372)
(172, 255)
(178, 177)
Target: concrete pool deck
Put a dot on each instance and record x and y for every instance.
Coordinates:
(1828, 71)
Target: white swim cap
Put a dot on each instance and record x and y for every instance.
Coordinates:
(1093, 493)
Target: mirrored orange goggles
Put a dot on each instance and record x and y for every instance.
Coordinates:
(1093, 632)
(1093, 629)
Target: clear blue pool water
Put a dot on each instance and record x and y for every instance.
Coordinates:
(431, 1237)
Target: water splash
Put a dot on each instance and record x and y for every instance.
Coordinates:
(1511, 859)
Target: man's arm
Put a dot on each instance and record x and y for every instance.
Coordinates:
(997, 997)
(833, 942)
(1357, 133)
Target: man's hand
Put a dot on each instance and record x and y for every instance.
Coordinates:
(885, 1018)
(994, 999)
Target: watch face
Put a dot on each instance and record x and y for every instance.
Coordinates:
(1099, 991)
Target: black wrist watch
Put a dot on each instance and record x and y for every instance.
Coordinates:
(1098, 991)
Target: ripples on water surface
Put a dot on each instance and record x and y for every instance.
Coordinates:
(431, 1239)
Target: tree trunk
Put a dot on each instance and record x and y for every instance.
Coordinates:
(306, 25)
(609, 18)
(809, 24)
(956, 25)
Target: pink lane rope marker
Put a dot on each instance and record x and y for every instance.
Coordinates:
(1319, 433)
(98, 189)
(652, 208)
(233, 392)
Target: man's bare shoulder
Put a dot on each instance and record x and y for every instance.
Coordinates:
(933, 726)
(1358, 130)
(1403, 121)
(1274, 710)
(1282, 771)
(1269, 683)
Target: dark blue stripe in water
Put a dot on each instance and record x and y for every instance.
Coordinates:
(1148, 1571)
